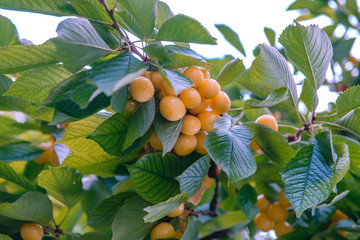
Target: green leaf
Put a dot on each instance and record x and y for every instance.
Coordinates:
(163, 209)
(230, 72)
(9, 174)
(20, 58)
(310, 50)
(272, 143)
(36, 85)
(117, 72)
(224, 221)
(9, 32)
(157, 51)
(354, 152)
(309, 95)
(270, 35)
(177, 80)
(308, 178)
(91, 9)
(167, 131)
(270, 71)
(10, 103)
(348, 100)
(18, 150)
(32, 206)
(324, 141)
(10, 127)
(163, 13)
(87, 156)
(77, 87)
(126, 185)
(104, 213)
(192, 230)
(111, 134)
(231, 36)
(51, 7)
(247, 199)
(183, 57)
(140, 122)
(135, 229)
(78, 44)
(5, 237)
(244, 80)
(343, 161)
(277, 96)
(173, 30)
(230, 150)
(62, 183)
(118, 99)
(154, 176)
(143, 14)
(191, 179)
(351, 121)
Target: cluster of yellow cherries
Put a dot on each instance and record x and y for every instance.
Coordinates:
(199, 106)
(271, 213)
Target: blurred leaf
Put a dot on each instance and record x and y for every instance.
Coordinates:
(310, 50)
(10, 103)
(270, 35)
(18, 150)
(342, 49)
(36, 85)
(173, 30)
(191, 231)
(140, 122)
(32, 206)
(272, 143)
(277, 96)
(163, 209)
(19, 58)
(135, 229)
(104, 213)
(230, 72)
(154, 176)
(10, 127)
(5, 237)
(117, 72)
(270, 71)
(167, 131)
(224, 221)
(51, 7)
(62, 183)
(231, 36)
(343, 162)
(218, 64)
(78, 44)
(191, 179)
(230, 150)
(9, 174)
(308, 178)
(143, 15)
(8, 30)
(247, 198)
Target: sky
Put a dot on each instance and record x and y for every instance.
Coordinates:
(247, 18)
